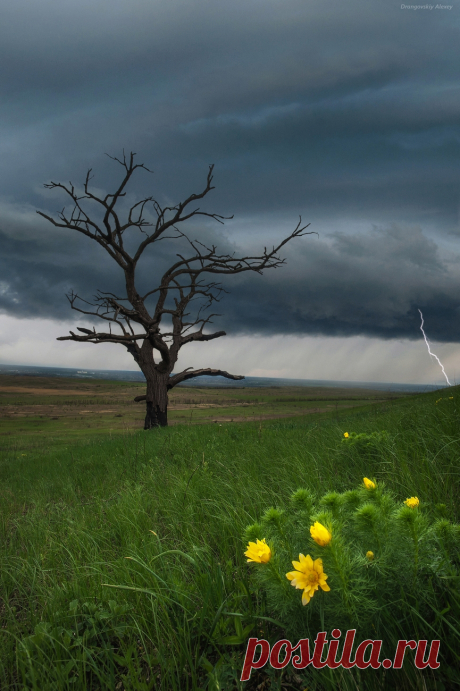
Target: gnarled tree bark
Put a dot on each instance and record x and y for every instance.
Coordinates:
(139, 329)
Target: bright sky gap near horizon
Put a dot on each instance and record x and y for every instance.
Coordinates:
(346, 113)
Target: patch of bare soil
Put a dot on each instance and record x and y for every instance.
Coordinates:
(268, 416)
(50, 392)
(47, 411)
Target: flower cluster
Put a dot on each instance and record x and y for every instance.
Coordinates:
(308, 575)
(359, 558)
(372, 509)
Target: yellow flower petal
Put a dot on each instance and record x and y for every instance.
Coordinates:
(307, 562)
(318, 565)
(305, 598)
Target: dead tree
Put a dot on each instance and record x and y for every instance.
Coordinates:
(137, 328)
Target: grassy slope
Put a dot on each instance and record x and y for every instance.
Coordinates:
(71, 516)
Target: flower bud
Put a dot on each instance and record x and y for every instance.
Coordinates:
(320, 534)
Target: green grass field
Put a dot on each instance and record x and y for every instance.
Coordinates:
(122, 561)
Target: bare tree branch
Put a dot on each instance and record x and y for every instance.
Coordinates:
(183, 376)
(189, 280)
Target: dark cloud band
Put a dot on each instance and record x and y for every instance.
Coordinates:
(346, 113)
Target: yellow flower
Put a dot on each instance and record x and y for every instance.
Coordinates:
(308, 575)
(320, 534)
(258, 552)
(346, 435)
(368, 483)
(370, 555)
(451, 398)
(412, 502)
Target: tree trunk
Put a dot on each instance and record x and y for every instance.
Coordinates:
(156, 399)
(157, 378)
(155, 417)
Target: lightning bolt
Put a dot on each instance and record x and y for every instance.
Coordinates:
(429, 350)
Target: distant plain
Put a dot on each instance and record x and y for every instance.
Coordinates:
(34, 408)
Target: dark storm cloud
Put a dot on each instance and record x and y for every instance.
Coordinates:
(343, 285)
(35, 279)
(357, 284)
(343, 112)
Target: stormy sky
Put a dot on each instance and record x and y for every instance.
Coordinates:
(344, 113)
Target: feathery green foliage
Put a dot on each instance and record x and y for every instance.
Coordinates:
(414, 563)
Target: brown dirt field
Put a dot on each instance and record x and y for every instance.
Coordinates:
(48, 392)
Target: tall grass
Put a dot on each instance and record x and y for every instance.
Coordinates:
(93, 599)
